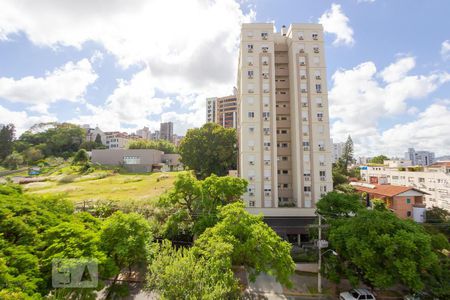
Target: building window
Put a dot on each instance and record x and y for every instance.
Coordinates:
(250, 74)
(408, 214)
(251, 114)
(250, 48)
(264, 35)
(408, 201)
(318, 88)
(251, 203)
(131, 160)
(307, 189)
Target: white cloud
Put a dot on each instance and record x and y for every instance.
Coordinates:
(358, 101)
(427, 132)
(369, 1)
(336, 22)
(22, 120)
(445, 50)
(189, 50)
(68, 82)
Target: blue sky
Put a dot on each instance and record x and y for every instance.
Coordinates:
(123, 66)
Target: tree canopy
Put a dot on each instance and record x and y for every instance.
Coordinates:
(7, 133)
(211, 149)
(337, 205)
(379, 159)
(161, 145)
(192, 205)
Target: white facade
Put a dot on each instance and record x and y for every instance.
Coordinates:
(144, 133)
(116, 140)
(338, 150)
(284, 139)
(433, 180)
(211, 110)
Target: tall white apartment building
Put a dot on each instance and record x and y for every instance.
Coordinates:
(211, 110)
(284, 138)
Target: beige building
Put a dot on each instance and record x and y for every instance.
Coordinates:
(226, 111)
(283, 128)
(117, 140)
(434, 179)
(136, 160)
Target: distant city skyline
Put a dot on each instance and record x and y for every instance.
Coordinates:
(388, 73)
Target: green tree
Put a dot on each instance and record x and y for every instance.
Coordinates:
(32, 155)
(338, 177)
(98, 139)
(6, 140)
(126, 239)
(210, 149)
(81, 157)
(161, 145)
(338, 205)
(191, 273)
(345, 188)
(54, 139)
(379, 249)
(255, 245)
(193, 204)
(379, 159)
(13, 161)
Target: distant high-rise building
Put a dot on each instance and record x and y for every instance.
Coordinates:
(419, 158)
(144, 133)
(338, 150)
(211, 110)
(155, 135)
(283, 128)
(226, 111)
(166, 131)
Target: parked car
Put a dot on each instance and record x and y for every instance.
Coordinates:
(357, 294)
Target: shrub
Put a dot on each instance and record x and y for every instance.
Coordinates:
(68, 178)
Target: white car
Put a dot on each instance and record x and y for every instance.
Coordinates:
(357, 294)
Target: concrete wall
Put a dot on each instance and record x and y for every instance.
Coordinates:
(115, 157)
(171, 159)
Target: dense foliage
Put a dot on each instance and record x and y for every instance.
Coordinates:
(379, 159)
(193, 204)
(6, 140)
(36, 230)
(211, 149)
(161, 145)
(379, 249)
(205, 270)
(52, 139)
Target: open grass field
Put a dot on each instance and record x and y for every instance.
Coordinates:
(104, 185)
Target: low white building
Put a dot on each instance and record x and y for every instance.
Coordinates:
(434, 179)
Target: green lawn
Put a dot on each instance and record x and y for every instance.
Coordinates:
(105, 185)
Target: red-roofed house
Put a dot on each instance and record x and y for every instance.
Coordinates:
(406, 202)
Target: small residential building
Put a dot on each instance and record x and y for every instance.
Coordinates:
(419, 158)
(117, 140)
(136, 160)
(91, 134)
(406, 202)
(433, 179)
(166, 131)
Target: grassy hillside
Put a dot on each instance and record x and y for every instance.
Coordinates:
(104, 185)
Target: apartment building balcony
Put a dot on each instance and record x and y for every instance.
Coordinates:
(283, 124)
(282, 97)
(284, 165)
(281, 72)
(282, 84)
(283, 137)
(284, 151)
(284, 178)
(285, 193)
(283, 111)
(281, 59)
